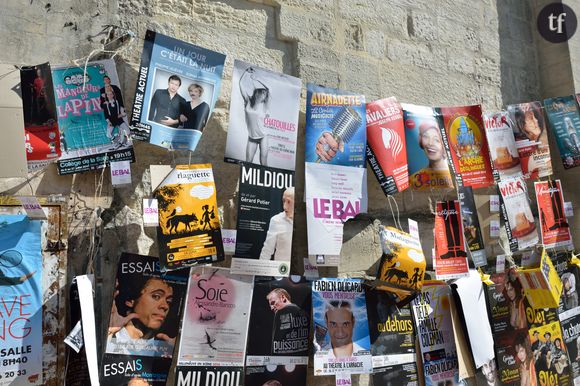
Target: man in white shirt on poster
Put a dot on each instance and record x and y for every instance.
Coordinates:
(279, 237)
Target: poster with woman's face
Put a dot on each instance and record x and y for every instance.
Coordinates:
(263, 123)
(428, 166)
(144, 321)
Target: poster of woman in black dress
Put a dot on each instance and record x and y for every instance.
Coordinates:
(194, 113)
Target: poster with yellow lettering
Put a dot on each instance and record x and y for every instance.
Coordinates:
(189, 230)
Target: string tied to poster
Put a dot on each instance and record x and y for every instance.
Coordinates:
(396, 220)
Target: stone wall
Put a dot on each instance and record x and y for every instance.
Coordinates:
(443, 52)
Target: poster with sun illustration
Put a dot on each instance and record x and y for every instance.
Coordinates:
(189, 229)
(466, 145)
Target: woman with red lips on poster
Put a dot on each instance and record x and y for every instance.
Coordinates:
(139, 311)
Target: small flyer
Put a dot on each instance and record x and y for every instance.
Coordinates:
(144, 322)
(91, 117)
(341, 330)
(466, 145)
(450, 255)
(177, 88)
(564, 117)
(279, 322)
(40, 118)
(554, 225)
(428, 163)
(265, 221)
(335, 127)
(215, 325)
(189, 230)
(531, 134)
(264, 110)
(502, 145)
(519, 220)
(386, 148)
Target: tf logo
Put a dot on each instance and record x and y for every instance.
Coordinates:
(557, 22)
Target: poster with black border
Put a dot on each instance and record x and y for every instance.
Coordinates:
(569, 315)
(273, 375)
(177, 88)
(471, 227)
(77, 371)
(21, 332)
(92, 119)
(564, 117)
(341, 331)
(264, 110)
(280, 322)
(265, 221)
(392, 340)
(40, 119)
(189, 231)
(144, 321)
(214, 328)
(335, 127)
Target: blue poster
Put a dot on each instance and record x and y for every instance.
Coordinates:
(341, 330)
(336, 131)
(178, 86)
(93, 124)
(20, 301)
(564, 117)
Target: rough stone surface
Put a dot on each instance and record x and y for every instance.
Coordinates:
(444, 52)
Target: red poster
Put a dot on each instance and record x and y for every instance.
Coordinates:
(466, 145)
(554, 225)
(450, 254)
(386, 148)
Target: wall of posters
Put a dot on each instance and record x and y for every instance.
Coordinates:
(519, 220)
(265, 221)
(502, 145)
(263, 123)
(450, 255)
(189, 230)
(334, 194)
(335, 127)
(91, 117)
(215, 323)
(431, 312)
(40, 120)
(554, 226)
(279, 322)
(386, 148)
(531, 136)
(341, 330)
(564, 117)
(21, 297)
(144, 321)
(428, 163)
(392, 340)
(466, 145)
(177, 88)
(471, 227)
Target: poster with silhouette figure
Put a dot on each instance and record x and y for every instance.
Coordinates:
(21, 298)
(428, 163)
(466, 145)
(386, 147)
(564, 118)
(450, 254)
(215, 323)
(143, 325)
(40, 119)
(554, 226)
(177, 88)
(264, 110)
(265, 221)
(502, 145)
(335, 127)
(392, 340)
(517, 214)
(189, 231)
(402, 265)
(92, 119)
(531, 134)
